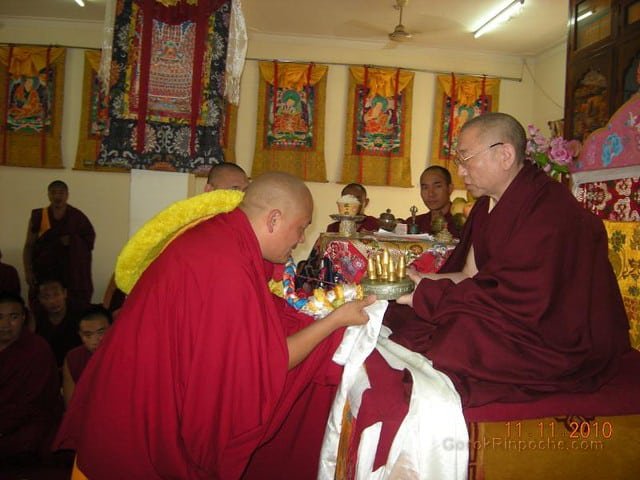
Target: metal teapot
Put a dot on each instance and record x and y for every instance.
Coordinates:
(387, 221)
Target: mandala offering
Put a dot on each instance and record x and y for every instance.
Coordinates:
(386, 277)
(322, 302)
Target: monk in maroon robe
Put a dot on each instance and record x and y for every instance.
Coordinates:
(30, 402)
(59, 243)
(202, 367)
(56, 321)
(528, 303)
(436, 187)
(92, 325)
(368, 224)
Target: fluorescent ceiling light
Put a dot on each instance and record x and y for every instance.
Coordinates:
(80, 2)
(507, 13)
(586, 14)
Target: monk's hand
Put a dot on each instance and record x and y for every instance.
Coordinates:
(414, 275)
(352, 313)
(406, 299)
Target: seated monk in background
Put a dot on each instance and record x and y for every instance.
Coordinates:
(56, 321)
(30, 403)
(226, 176)
(92, 326)
(368, 224)
(203, 364)
(528, 303)
(436, 187)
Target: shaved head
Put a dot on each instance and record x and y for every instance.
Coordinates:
(279, 207)
(226, 176)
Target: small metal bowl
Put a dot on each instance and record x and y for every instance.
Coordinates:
(384, 290)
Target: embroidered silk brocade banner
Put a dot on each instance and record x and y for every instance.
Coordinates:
(228, 132)
(94, 116)
(459, 99)
(378, 137)
(617, 200)
(624, 255)
(290, 125)
(166, 105)
(31, 94)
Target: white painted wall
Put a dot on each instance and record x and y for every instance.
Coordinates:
(104, 197)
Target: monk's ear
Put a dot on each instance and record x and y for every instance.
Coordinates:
(208, 187)
(507, 156)
(273, 220)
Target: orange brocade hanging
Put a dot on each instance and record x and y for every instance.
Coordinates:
(459, 99)
(31, 93)
(290, 125)
(378, 137)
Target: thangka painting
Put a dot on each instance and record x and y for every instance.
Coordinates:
(290, 126)
(459, 99)
(94, 116)
(31, 93)
(378, 138)
(166, 86)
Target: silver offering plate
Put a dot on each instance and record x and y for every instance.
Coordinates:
(384, 290)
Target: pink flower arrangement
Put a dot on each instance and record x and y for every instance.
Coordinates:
(553, 156)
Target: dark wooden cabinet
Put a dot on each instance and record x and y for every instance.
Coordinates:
(603, 62)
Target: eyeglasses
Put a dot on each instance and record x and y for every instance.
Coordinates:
(461, 161)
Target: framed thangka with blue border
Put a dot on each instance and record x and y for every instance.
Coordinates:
(31, 94)
(459, 99)
(290, 125)
(166, 91)
(378, 137)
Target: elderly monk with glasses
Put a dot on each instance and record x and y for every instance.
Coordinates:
(527, 304)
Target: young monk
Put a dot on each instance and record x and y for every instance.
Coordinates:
(92, 326)
(30, 403)
(56, 320)
(368, 224)
(226, 176)
(203, 365)
(436, 187)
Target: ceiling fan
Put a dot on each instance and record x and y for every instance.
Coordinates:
(400, 33)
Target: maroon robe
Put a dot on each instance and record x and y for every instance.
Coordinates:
(294, 451)
(369, 224)
(71, 263)
(9, 280)
(424, 223)
(543, 314)
(62, 337)
(77, 360)
(30, 401)
(193, 376)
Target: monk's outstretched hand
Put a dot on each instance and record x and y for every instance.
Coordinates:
(406, 299)
(352, 313)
